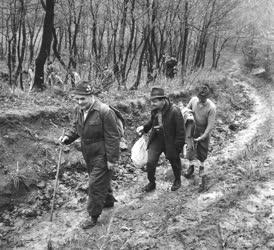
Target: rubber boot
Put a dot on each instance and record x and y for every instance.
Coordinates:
(176, 185)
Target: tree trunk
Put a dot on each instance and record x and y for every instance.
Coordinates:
(186, 31)
(122, 44)
(21, 51)
(140, 64)
(214, 50)
(130, 44)
(45, 46)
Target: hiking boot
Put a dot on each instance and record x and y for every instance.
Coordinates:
(149, 187)
(189, 172)
(202, 186)
(89, 223)
(176, 185)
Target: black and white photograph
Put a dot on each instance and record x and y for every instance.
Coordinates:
(137, 124)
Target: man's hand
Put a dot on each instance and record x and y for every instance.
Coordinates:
(180, 105)
(198, 139)
(190, 143)
(63, 139)
(111, 166)
(140, 130)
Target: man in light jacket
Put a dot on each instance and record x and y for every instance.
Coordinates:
(204, 111)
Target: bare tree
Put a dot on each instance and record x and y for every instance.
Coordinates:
(46, 44)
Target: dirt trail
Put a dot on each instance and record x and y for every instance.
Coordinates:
(171, 220)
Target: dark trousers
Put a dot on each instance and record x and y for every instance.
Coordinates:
(99, 191)
(156, 147)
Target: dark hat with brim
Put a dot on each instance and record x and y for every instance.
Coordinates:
(157, 93)
(83, 88)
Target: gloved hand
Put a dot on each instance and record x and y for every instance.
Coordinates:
(63, 139)
(140, 130)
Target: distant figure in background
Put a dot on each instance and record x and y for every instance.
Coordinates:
(49, 70)
(31, 77)
(154, 73)
(170, 66)
(204, 111)
(76, 77)
(151, 76)
(55, 80)
(108, 75)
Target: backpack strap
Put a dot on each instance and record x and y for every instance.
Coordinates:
(119, 118)
(119, 115)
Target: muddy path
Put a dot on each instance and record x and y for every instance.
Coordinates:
(236, 212)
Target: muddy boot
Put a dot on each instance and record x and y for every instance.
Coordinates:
(149, 187)
(176, 185)
(189, 172)
(202, 186)
(89, 223)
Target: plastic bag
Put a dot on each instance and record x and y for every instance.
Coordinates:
(139, 153)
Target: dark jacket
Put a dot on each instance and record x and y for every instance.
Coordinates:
(99, 133)
(173, 129)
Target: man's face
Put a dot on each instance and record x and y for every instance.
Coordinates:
(157, 104)
(83, 101)
(202, 99)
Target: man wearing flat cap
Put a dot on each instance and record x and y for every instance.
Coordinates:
(95, 123)
(167, 135)
(204, 111)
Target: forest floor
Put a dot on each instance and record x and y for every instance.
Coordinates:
(235, 212)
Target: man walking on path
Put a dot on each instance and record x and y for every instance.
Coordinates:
(204, 111)
(95, 123)
(167, 135)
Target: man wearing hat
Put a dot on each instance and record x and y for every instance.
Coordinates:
(204, 111)
(167, 135)
(95, 123)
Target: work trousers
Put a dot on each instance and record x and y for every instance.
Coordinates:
(156, 147)
(99, 190)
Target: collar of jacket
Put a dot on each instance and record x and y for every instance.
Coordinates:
(94, 106)
(166, 107)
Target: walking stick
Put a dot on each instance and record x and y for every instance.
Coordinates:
(56, 181)
(49, 245)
